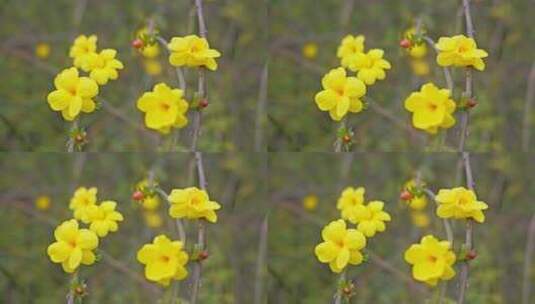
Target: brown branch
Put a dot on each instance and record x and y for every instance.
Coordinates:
(201, 238)
(528, 256)
(530, 96)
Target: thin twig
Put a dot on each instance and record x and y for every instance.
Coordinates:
(528, 256)
(261, 108)
(261, 262)
(530, 97)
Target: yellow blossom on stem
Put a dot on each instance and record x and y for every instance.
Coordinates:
(416, 50)
(418, 201)
(103, 66)
(420, 219)
(350, 46)
(149, 202)
(164, 108)
(310, 202)
(192, 51)
(81, 201)
(152, 219)
(459, 203)
(152, 67)
(82, 50)
(340, 246)
(371, 218)
(42, 202)
(431, 260)
(460, 51)
(192, 203)
(148, 50)
(73, 246)
(369, 66)
(103, 218)
(420, 67)
(164, 260)
(73, 94)
(432, 108)
(350, 202)
(340, 94)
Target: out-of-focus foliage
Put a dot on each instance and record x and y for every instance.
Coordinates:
(296, 276)
(26, 121)
(503, 28)
(28, 276)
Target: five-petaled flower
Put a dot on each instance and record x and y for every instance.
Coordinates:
(192, 51)
(460, 51)
(164, 108)
(103, 218)
(431, 260)
(418, 200)
(82, 50)
(340, 94)
(164, 260)
(73, 246)
(103, 66)
(432, 108)
(81, 201)
(150, 201)
(350, 201)
(370, 66)
(460, 203)
(73, 94)
(370, 218)
(192, 203)
(349, 47)
(340, 246)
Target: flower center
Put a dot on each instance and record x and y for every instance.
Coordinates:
(432, 106)
(72, 243)
(164, 106)
(432, 259)
(164, 259)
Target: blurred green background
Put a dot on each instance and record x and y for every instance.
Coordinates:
(236, 28)
(503, 28)
(496, 275)
(28, 276)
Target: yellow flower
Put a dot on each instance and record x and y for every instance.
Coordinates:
(152, 67)
(165, 108)
(310, 50)
(104, 218)
(73, 246)
(149, 50)
(73, 94)
(371, 218)
(340, 246)
(420, 219)
(192, 203)
(103, 66)
(310, 202)
(152, 219)
(81, 201)
(149, 202)
(432, 260)
(350, 201)
(432, 108)
(370, 66)
(350, 46)
(418, 201)
(417, 50)
(164, 260)
(460, 51)
(42, 50)
(192, 51)
(340, 94)
(420, 67)
(460, 203)
(82, 49)
(42, 202)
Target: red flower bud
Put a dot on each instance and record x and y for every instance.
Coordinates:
(203, 255)
(470, 255)
(405, 43)
(203, 103)
(137, 43)
(346, 138)
(470, 103)
(138, 195)
(405, 195)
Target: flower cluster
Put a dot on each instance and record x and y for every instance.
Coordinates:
(460, 203)
(342, 245)
(369, 218)
(73, 245)
(342, 93)
(164, 108)
(432, 108)
(165, 260)
(414, 197)
(149, 201)
(74, 93)
(416, 49)
(192, 203)
(431, 260)
(149, 49)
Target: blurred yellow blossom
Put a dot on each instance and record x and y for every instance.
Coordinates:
(152, 67)
(310, 50)
(152, 219)
(42, 202)
(420, 67)
(42, 50)
(310, 202)
(420, 219)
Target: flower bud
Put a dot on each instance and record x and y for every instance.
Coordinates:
(470, 255)
(137, 43)
(470, 103)
(203, 255)
(138, 196)
(346, 138)
(405, 43)
(203, 103)
(405, 195)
